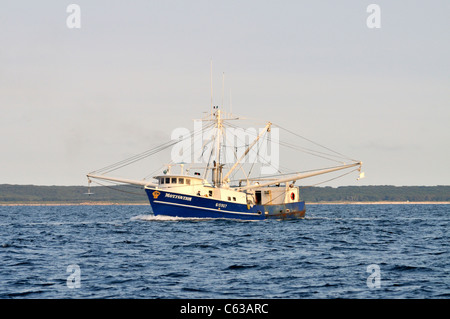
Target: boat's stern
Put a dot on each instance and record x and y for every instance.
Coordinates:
(294, 210)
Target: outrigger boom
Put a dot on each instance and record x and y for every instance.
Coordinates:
(301, 176)
(122, 180)
(147, 184)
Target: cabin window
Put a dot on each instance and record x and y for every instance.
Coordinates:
(229, 198)
(210, 193)
(181, 181)
(188, 181)
(174, 180)
(162, 181)
(234, 199)
(167, 180)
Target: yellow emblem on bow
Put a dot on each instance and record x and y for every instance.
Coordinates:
(155, 194)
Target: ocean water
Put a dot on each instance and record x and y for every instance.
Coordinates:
(337, 251)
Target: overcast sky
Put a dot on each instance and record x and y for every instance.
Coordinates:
(75, 100)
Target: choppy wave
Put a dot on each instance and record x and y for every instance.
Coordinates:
(125, 252)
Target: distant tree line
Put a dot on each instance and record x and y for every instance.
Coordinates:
(132, 194)
(70, 194)
(377, 193)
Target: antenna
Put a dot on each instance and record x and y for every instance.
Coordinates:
(231, 105)
(211, 91)
(223, 89)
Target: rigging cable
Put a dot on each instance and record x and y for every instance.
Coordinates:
(315, 143)
(142, 155)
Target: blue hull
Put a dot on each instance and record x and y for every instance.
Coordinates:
(188, 206)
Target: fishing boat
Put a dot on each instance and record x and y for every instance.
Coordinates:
(214, 189)
(191, 194)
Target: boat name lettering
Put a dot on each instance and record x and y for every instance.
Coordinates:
(221, 205)
(179, 197)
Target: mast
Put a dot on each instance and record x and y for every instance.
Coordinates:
(217, 168)
(212, 111)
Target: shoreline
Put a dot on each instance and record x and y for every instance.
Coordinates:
(76, 204)
(379, 203)
(145, 204)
